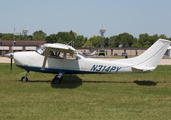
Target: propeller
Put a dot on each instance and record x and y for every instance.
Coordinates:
(11, 64)
(10, 55)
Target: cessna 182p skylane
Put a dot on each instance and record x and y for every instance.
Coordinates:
(49, 59)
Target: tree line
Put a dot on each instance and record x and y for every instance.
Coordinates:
(122, 40)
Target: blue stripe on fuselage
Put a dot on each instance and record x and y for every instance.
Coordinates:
(52, 70)
(94, 70)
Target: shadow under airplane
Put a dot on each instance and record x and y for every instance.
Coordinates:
(73, 81)
(145, 83)
(69, 81)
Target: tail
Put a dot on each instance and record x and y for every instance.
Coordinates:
(149, 60)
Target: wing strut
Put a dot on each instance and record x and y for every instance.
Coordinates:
(45, 58)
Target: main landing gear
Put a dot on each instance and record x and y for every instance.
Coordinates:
(57, 79)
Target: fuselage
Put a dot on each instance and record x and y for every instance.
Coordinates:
(32, 61)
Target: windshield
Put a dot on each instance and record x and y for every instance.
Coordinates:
(41, 51)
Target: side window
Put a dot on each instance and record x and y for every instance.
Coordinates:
(71, 56)
(55, 54)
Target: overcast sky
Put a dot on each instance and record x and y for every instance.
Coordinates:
(86, 16)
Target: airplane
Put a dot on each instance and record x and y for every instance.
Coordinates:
(90, 54)
(48, 59)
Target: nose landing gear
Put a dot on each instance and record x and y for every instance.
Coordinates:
(24, 78)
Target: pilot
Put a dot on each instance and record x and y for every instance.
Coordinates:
(51, 53)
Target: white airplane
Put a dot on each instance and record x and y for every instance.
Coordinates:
(91, 54)
(49, 59)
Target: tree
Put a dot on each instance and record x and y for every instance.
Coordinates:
(62, 37)
(125, 39)
(8, 36)
(88, 44)
(1, 35)
(39, 35)
(79, 41)
(65, 36)
(60, 40)
(30, 37)
(84, 40)
(147, 44)
(146, 41)
(18, 37)
(95, 40)
(143, 36)
(52, 38)
(113, 41)
(106, 42)
(151, 40)
(136, 45)
(163, 36)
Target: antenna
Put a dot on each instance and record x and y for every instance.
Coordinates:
(102, 31)
(105, 25)
(14, 32)
(24, 32)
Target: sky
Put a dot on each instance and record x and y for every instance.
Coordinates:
(86, 17)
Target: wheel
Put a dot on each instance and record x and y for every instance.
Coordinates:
(56, 80)
(57, 77)
(24, 79)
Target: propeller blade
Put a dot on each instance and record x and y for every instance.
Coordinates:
(11, 64)
(10, 55)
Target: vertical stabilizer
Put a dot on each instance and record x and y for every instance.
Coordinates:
(151, 57)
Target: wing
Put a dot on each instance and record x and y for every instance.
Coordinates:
(56, 47)
(60, 47)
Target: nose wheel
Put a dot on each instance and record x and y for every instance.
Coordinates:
(57, 79)
(24, 78)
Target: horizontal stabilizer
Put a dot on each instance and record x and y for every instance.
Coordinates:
(143, 68)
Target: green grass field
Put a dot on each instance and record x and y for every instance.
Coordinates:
(108, 96)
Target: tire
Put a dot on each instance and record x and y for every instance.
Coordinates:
(24, 79)
(56, 80)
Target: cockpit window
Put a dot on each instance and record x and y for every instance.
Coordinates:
(52, 54)
(41, 51)
(58, 55)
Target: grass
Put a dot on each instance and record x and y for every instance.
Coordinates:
(108, 96)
